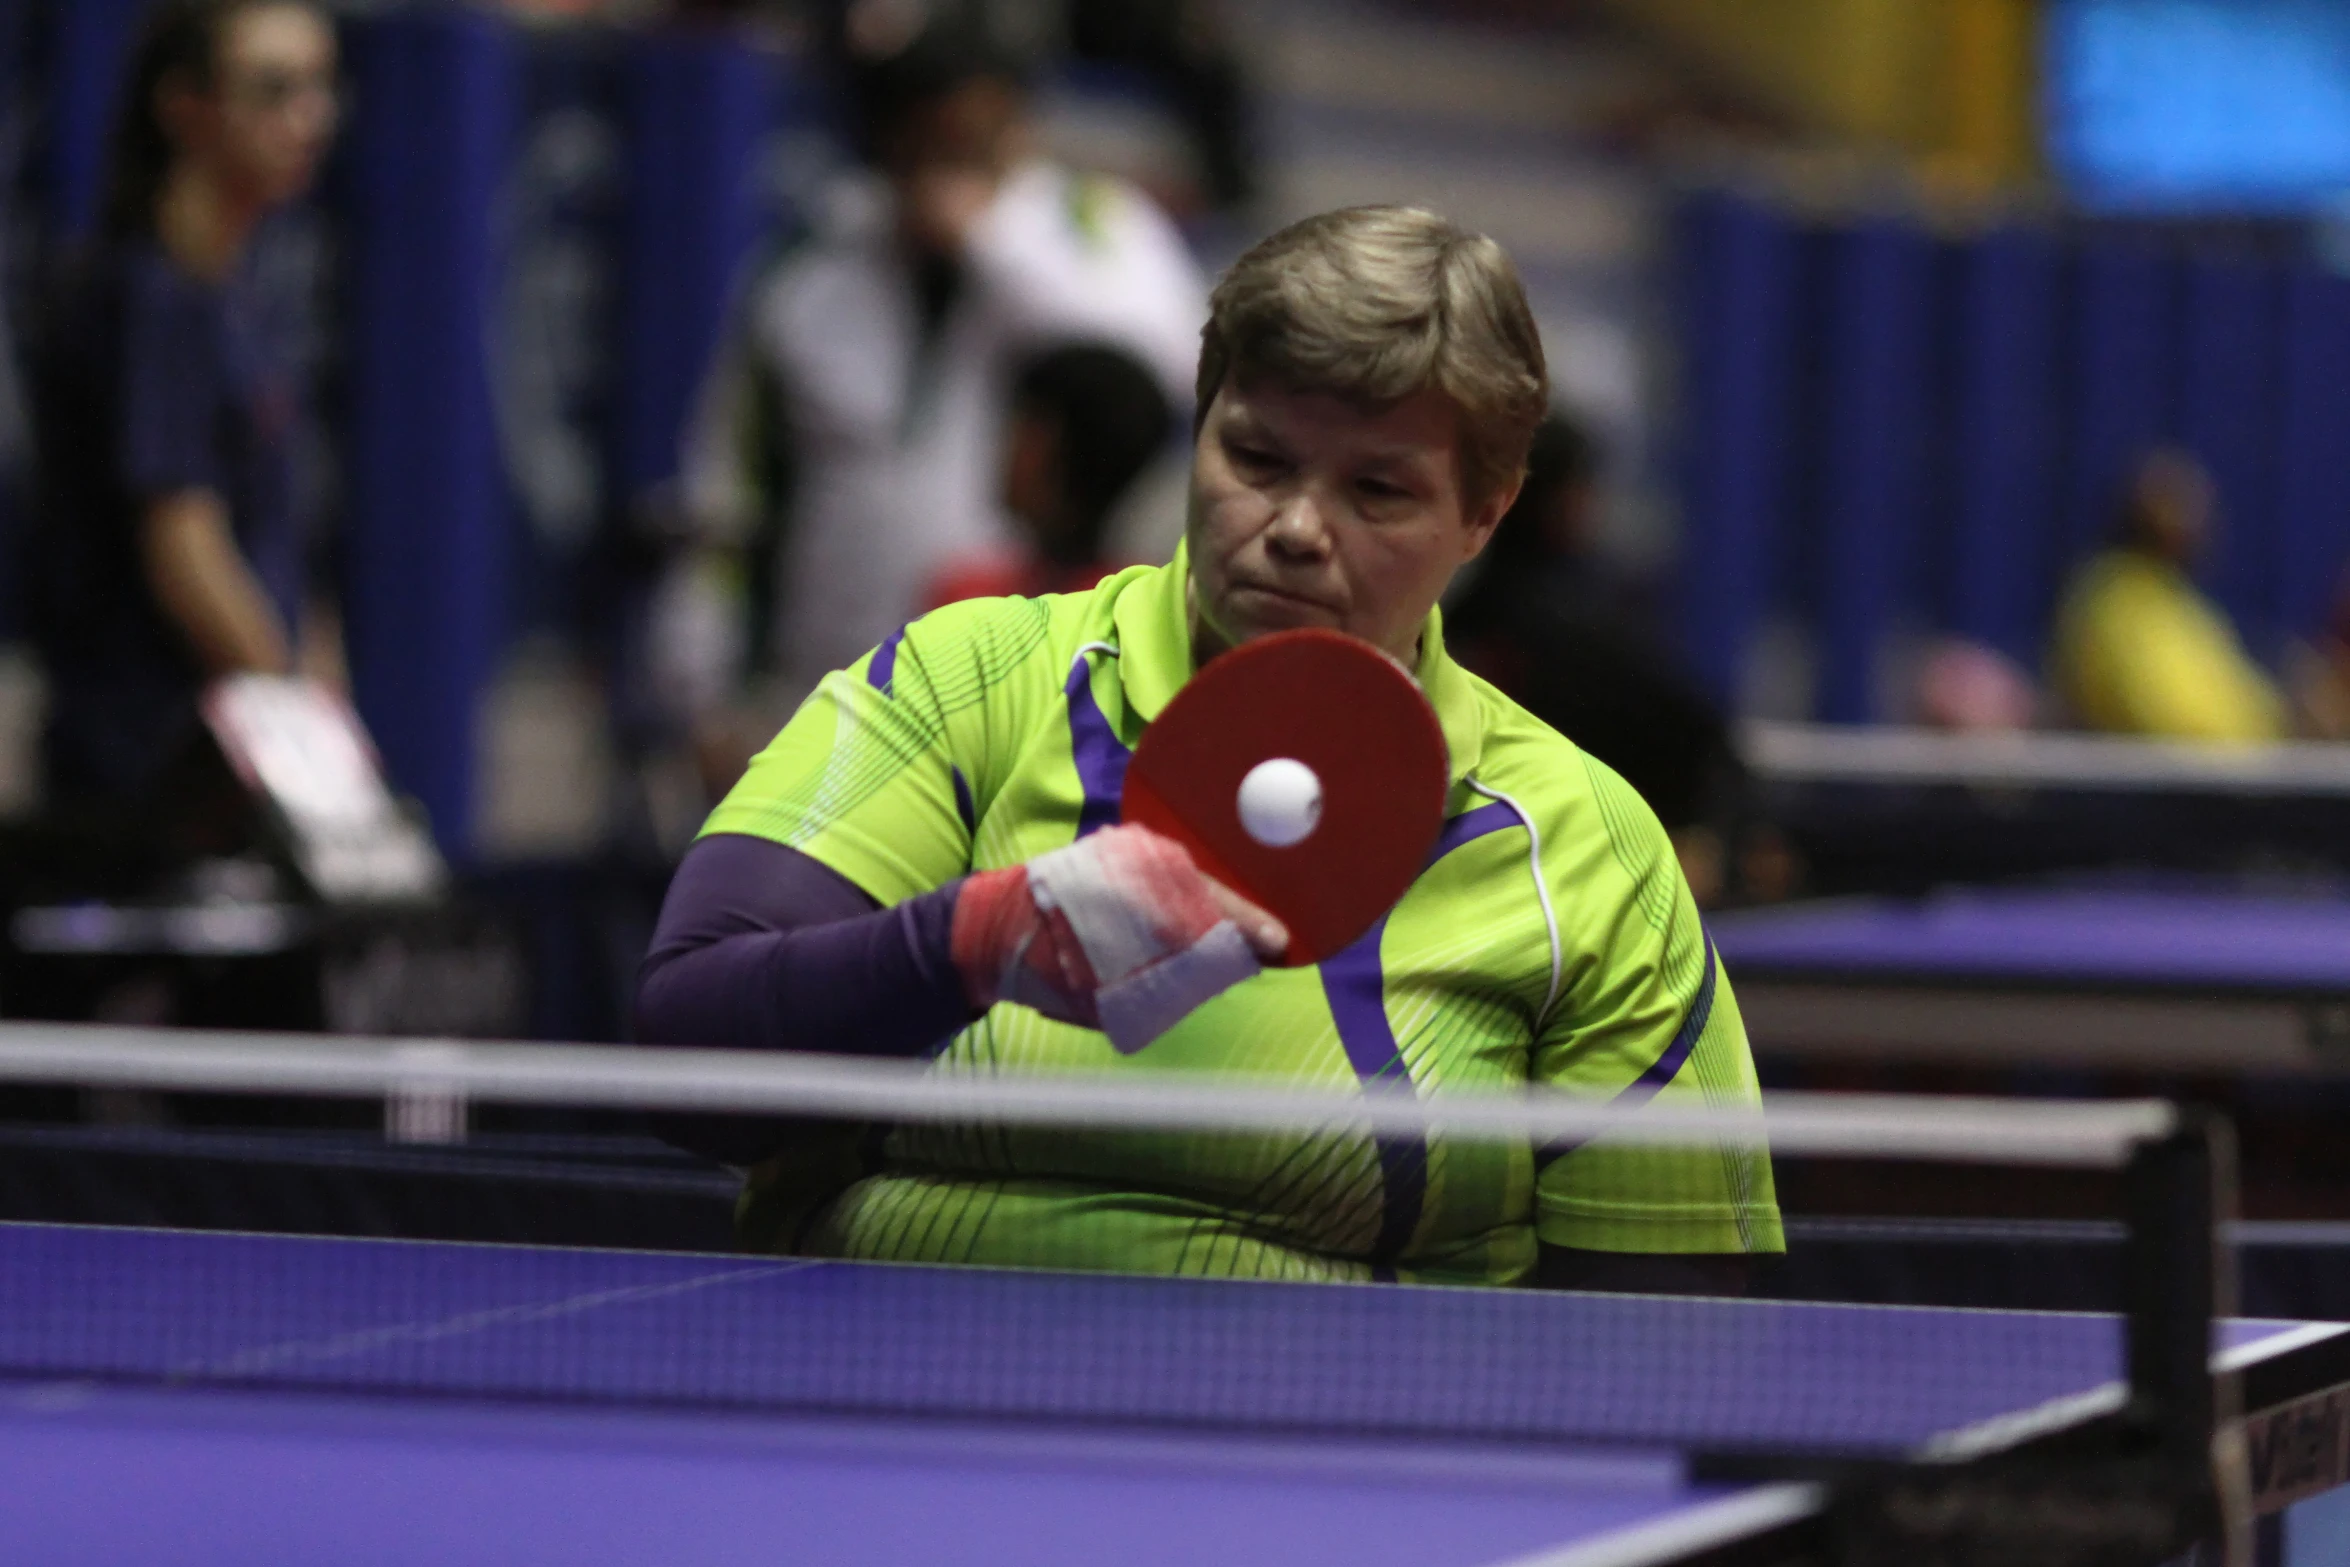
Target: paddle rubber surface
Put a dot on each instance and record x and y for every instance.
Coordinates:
(1356, 719)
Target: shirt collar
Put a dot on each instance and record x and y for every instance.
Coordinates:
(1153, 618)
(1459, 712)
(1154, 637)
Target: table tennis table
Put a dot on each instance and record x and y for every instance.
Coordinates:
(171, 1396)
(1879, 808)
(2163, 979)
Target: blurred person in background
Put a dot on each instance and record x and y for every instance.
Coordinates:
(1560, 626)
(1186, 50)
(2140, 650)
(169, 547)
(1547, 565)
(1969, 687)
(858, 413)
(1087, 420)
(2319, 671)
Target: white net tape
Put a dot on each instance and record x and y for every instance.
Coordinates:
(427, 1083)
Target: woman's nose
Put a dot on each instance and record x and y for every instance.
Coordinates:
(1300, 526)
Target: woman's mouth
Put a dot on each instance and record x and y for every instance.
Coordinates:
(1284, 600)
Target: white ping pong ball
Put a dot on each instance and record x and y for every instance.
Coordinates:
(1280, 802)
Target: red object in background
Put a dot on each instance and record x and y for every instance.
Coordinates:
(1009, 576)
(1347, 711)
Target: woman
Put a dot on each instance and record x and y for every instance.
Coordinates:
(168, 398)
(924, 863)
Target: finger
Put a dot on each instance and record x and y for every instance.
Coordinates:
(1266, 934)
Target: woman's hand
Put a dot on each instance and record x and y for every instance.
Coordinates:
(1120, 931)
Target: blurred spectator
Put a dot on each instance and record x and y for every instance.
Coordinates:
(859, 411)
(2139, 648)
(2320, 674)
(1086, 421)
(1183, 51)
(1544, 564)
(1968, 688)
(167, 395)
(1560, 626)
(1187, 51)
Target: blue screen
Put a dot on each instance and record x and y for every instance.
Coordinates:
(2206, 105)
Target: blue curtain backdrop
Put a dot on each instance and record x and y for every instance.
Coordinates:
(1997, 462)
(2313, 440)
(25, 176)
(2120, 361)
(1886, 433)
(2227, 404)
(1734, 284)
(701, 112)
(554, 340)
(88, 42)
(1871, 344)
(437, 95)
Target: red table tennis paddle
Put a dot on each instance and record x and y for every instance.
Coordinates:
(1304, 770)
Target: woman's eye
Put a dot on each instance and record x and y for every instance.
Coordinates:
(1381, 489)
(1255, 457)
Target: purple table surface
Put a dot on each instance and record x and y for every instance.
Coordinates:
(116, 1476)
(98, 1471)
(2085, 939)
(493, 1322)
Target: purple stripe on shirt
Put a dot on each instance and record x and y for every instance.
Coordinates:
(1355, 983)
(1101, 757)
(1472, 824)
(1667, 1065)
(884, 667)
(964, 807)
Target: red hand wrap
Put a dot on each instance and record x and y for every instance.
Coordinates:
(1118, 931)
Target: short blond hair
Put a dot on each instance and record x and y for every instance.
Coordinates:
(1376, 304)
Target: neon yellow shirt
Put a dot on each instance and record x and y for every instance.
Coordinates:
(1551, 939)
(2140, 651)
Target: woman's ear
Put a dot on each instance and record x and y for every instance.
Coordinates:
(1487, 518)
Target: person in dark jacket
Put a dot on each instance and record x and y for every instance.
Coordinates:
(1561, 627)
(169, 546)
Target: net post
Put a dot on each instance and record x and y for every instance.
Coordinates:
(2179, 1281)
(2162, 1476)
(2176, 1279)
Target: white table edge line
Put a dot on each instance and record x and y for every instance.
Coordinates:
(2238, 1357)
(1660, 1540)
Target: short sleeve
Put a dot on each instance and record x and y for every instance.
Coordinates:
(885, 771)
(171, 386)
(1647, 1015)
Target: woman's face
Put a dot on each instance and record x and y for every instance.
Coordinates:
(1308, 511)
(270, 115)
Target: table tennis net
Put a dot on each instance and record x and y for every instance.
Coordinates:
(353, 1297)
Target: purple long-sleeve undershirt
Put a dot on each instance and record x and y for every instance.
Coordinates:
(761, 947)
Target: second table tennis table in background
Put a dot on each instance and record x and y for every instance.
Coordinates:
(2179, 979)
